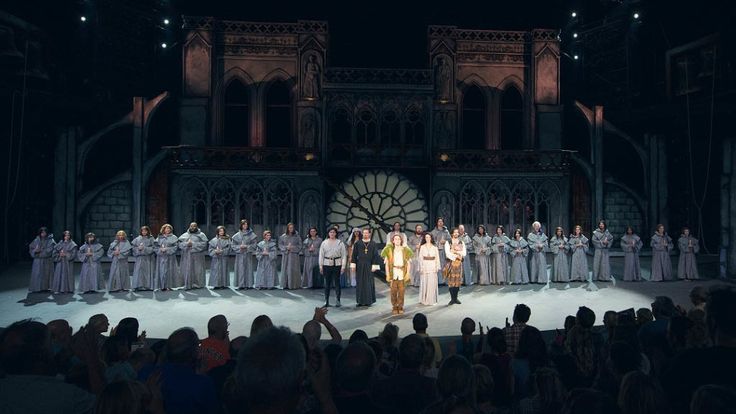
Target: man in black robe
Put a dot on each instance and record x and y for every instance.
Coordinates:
(366, 260)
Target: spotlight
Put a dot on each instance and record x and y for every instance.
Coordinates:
(636, 15)
(163, 45)
(574, 14)
(166, 21)
(574, 35)
(83, 18)
(576, 57)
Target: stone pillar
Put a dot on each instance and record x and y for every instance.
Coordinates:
(196, 87)
(136, 188)
(65, 180)
(545, 113)
(597, 164)
(657, 164)
(728, 210)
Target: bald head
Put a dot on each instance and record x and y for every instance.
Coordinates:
(312, 331)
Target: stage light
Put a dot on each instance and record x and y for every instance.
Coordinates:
(574, 35)
(166, 21)
(163, 45)
(83, 18)
(574, 14)
(636, 15)
(576, 57)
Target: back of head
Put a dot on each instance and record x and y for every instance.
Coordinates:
(585, 317)
(467, 326)
(411, 352)
(663, 307)
(355, 366)
(640, 393)
(122, 397)
(270, 368)
(217, 326)
(115, 349)
(456, 379)
(312, 331)
(389, 335)
(483, 384)
(589, 401)
(182, 347)
(550, 390)
(644, 315)
(25, 348)
(497, 340)
(358, 335)
(532, 347)
(59, 330)
(713, 399)
(128, 329)
(419, 322)
(698, 295)
(260, 323)
(522, 313)
(720, 313)
(610, 319)
(236, 344)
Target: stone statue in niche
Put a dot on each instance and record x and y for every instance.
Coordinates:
(443, 79)
(308, 130)
(311, 78)
(444, 210)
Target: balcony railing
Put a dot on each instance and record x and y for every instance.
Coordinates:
(339, 155)
(502, 160)
(228, 158)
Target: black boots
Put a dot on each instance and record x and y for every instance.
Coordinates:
(453, 296)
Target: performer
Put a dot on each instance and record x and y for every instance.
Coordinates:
(538, 245)
(499, 261)
(167, 271)
(219, 249)
(687, 266)
(579, 263)
(414, 242)
(601, 239)
(310, 247)
(349, 278)
(518, 249)
(244, 246)
(365, 260)
(119, 251)
(144, 267)
(561, 265)
(429, 257)
(468, 274)
(397, 259)
(482, 248)
(193, 248)
(290, 245)
(455, 253)
(64, 253)
(631, 245)
(42, 271)
(396, 229)
(661, 244)
(90, 279)
(440, 236)
(266, 253)
(332, 261)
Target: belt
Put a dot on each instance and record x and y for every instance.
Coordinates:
(429, 257)
(333, 260)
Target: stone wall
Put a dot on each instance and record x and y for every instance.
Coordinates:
(109, 212)
(620, 211)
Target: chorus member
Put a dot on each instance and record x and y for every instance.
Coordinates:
(455, 253)
(499, 260)
(266, 252)
(332, 262)
(65, 251)
(661, 244)
(219, 250)
(687, 267)
(396, 229)
(310, 247)
(397, 261)
(538, 245)
(119, 251)
(244, 247)
(518, 249)
(468, 275)
(559, 247)
(167, 271)
(145, 262)
(441, 236)
(90, 254)
(42, 271)
(349, 278)
(579, 262)
(631, 245)
(193, 248)
(290, 245)
(601, 240)
(429, 259)
(365, 260)
(414, 242)
(482, 248)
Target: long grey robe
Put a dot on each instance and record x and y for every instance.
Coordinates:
(219, 250)
(468, 275)
(266, 253)
(579, 263)
(631, 246)
(365, 256)
(310, 247)
(244, 247)
(64, 270)
(561, 264)
(538, 262)
(519, 249)
(482, 249)
(601, 265)
(441, 236)
(42, 270)
(414, 242)
(191, 264)
(499, 259)
(119, 271)
(90, 279)
(687, 266)
(291, 271)
(661, 263)
(167, 271)
(145, 263)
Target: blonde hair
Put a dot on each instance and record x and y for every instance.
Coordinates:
(121, 232)
(165, 226)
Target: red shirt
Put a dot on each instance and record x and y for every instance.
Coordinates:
(214, 352)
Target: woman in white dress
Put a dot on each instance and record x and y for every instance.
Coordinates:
(429, 259)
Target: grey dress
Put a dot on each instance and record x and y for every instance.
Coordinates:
(414, 242)
(441, 236)
(167, 271)
(482, 248)
(291, 272)
(90, 278)
(244, 247)
(63, 281)
(42, 270)
(499, 259)
(219, 250)
(144, 269)
(687, 266)
(579, 263)
(601, 264)
(518, 250)
(661, 264)
(631, 246)
(310, 271)
(266, 253)
(538, 262)
(469, 277)
(119, 271)
(191, 264)
(561, 262)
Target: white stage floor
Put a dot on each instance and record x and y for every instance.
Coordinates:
(161, 312)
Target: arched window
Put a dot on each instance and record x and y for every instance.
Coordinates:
(278, 115)
(474, 119)
(342, 127)
(366, 129)
(236, 119)
(390, 130)
(413, 129)
(512, 128)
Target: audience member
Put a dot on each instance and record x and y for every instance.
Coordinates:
(484, 389)
(215, 349)
(714, 399)
(548, 394)
(513, 332)
(531, 355)
(456, 387)
(641, 394)
(355, 367)
(498, 362)
(420, 325)
(585, 345)
(260, 323)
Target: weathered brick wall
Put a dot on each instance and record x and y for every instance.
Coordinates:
(109, 212)
(621, 211)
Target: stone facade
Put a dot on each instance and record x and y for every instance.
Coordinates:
(621, 210)
(109, 212)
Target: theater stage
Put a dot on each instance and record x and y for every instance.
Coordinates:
(161, 312)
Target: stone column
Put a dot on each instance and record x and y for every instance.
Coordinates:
(728, 210)
(65, 174)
